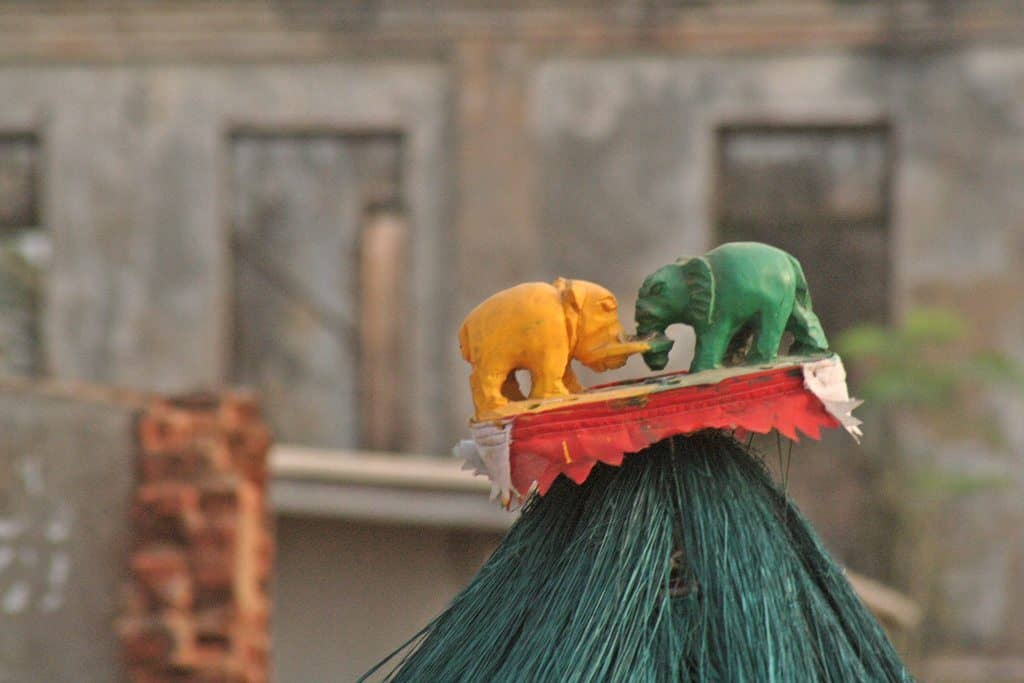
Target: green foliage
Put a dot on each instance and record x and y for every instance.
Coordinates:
(20, 279)
(930, 368)
(924, 363)
(942, 484)
(20, 324)
(684, 564)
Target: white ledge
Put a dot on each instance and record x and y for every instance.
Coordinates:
(433, 491)
(389, 488)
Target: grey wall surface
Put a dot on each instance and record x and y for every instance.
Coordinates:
(66, 484)
(299, 207)
(394, 580)
(20, 282)
(536, 142)
(137, 183)
(627, 150)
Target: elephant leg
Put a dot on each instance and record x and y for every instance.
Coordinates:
(711, 346)
(739, 345)
(510, 388)
(767, 339)
(546, 376)
(485, 384)
(572, 383)
(808, 337)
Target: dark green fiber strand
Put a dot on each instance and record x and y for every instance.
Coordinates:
(583, 587)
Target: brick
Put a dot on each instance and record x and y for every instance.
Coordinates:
(156, 467)
(265, 555)
(257, 656)
(214, 569)
(192, 462)
(163, 574)
(239, 410)
(250, 448)
(214, 553)
(162, 430)
(217, 456)
(216, 622)
(248, 590)
(253, 632)
(215, 535)
(163, 638)
(143, 674)
(214, 666)
(169, 498)
(166, 511)
(197, 606)
(213, 596)
(219, 497)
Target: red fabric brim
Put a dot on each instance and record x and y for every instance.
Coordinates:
(572, 440)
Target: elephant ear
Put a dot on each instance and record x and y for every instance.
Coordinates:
(700, 285)
(572, 293)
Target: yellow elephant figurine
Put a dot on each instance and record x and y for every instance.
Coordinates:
(541, 327)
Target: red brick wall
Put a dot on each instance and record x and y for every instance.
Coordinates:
(196, 606)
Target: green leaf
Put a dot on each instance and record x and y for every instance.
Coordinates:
(936, 482)
(863, 341)
(932, 326)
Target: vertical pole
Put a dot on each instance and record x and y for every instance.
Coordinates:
(382, 312)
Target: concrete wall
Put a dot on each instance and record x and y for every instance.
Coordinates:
(66, 485)
(345, 593)
(394, 580)
(625, 150)
(541, 141)
(139, 290)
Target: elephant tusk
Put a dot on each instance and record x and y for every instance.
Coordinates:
(626, 348)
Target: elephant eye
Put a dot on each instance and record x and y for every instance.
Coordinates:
(656, 289)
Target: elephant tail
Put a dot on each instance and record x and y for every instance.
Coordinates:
(808, 336)
(803, 294)
(464, 343)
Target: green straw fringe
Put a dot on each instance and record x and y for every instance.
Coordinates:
(686, 563)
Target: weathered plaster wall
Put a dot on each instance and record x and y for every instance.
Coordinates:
(393, 579)
(66, 482)
(961, 208)
(627, 148)
(136, 183)
(627, 181)
(540, 141)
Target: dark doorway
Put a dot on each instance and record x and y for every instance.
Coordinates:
(308, 211)
(822, 193)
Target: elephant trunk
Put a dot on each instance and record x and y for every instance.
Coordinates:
(652, 328)
(647, 326)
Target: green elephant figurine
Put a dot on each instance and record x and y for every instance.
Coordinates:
(735, 291)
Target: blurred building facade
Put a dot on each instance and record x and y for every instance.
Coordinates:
(306, 197)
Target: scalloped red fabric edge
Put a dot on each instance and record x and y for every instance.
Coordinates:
(572, 440)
